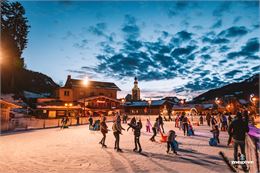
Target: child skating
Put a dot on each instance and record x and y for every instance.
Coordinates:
(170, 141)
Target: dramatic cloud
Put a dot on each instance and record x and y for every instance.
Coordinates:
(247, 51)
(235, 31)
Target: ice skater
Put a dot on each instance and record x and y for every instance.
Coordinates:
(64, 122)
(137, 133)
(201, 119)
(132, 122)
(170, 141)
(117, 130)
(215, 132)
(148, 125)
(104, 130)
(185, 125)
(155, 126)
(160, 119)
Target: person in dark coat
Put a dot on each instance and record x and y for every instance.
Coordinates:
(213, 121)
(238, 129)
(208, 117)
(160, 119)
(132, 122)
(90, 120)
(137, 133)
(155, 126)
(104, 130)
(185, 125)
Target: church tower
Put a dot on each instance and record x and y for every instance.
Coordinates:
(135, 91)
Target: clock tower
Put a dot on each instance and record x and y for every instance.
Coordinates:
(135, 91)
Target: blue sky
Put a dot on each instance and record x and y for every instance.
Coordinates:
(177, 48)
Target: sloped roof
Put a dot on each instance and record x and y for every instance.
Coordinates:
(145, 103)
(93, 84)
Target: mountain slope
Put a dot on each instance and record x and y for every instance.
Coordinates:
(241, 90)
(27, 80)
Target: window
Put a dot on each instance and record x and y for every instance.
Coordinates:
(66, 93)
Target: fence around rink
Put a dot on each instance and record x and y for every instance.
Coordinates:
(252, 153)
(21, 124)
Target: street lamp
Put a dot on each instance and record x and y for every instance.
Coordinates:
(123, 102)
(67, 106)
(85, 83)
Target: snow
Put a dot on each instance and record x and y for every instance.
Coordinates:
(77, 150)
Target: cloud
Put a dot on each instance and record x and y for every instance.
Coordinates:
(232, 73)
(217, 24)
(215, 40)
(223, 49)
(234, 31)
(130, 28)
(248, 50)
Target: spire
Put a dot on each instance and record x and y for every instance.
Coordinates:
(136, 82)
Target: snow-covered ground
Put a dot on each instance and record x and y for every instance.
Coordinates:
(77, 150)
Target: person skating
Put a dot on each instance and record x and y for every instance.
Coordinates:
(177, 121)
(229, 119)
(238, 129)
(215, 131)
(64, 122)
(160, 119)
(155, 125)
(170, 139)
(137, 133)
(213, 121)
(132, 122)
(117, 128)
(201, 119)
(104, 130)
(148, 125)
(185, 125)
(90, 120)
(208, 117)
(180, 120)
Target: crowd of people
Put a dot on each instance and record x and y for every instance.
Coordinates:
(236, 127)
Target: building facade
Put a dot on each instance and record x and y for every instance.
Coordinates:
(78, 97)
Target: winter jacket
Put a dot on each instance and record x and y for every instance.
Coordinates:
(103, 127)
(171, 136)
(137, 129)
(117, 127)
(238, 129)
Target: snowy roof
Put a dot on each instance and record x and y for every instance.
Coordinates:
(207, 106)
(242, 101)
(31, 95)
(145, 103)
(182, 107)
(93, 84)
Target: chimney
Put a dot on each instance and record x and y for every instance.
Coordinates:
(69, 77)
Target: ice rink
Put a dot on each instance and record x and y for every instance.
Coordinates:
(78, 150)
